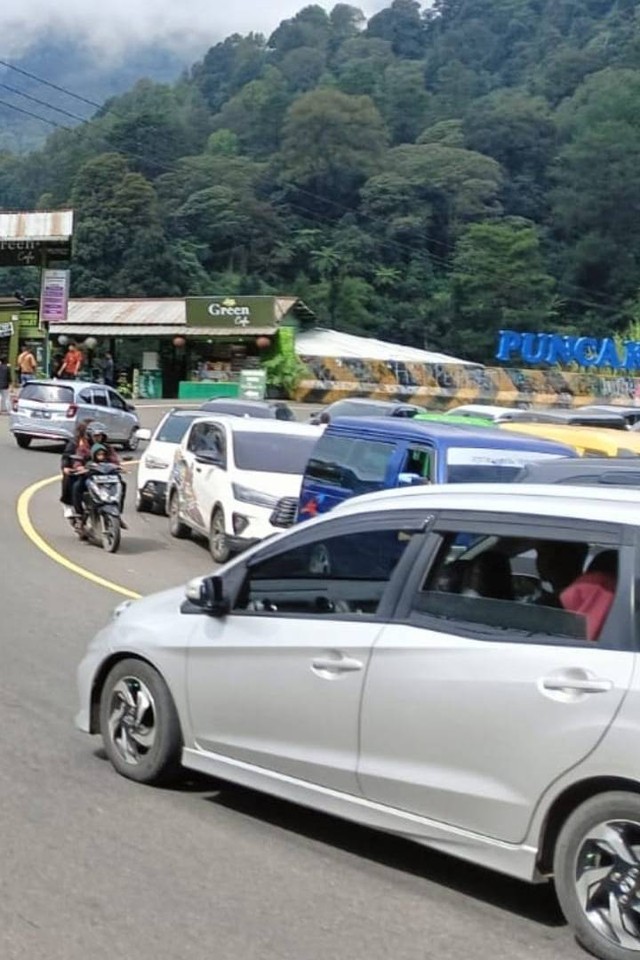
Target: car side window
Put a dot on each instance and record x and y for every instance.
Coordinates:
(418, 462)
(116, 402)
(206, 438)
(507, 585)
(85, 396)
(343, 574)
(100, 398)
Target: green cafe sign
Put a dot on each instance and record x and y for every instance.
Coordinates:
(241, 314)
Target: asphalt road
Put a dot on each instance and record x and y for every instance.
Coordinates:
(93, 866)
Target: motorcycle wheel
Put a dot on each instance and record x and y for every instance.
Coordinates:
(110, 533)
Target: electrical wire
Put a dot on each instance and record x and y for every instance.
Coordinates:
(48, 83)
(42, 103)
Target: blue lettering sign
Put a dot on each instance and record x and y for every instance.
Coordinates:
(557, 348)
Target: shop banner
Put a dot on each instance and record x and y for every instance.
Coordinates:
(253, 384)
(54, 296)
(243, 314)
(6, 329)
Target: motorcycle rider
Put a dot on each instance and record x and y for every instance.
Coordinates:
(97, 433)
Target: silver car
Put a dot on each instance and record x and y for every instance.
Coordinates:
(51, 410)
(454, 665)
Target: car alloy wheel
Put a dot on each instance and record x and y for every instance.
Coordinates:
(139, 723)
(597, 875)
(218, 540)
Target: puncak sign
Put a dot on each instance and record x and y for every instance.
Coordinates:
(555, 348)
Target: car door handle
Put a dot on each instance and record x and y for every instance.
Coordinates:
(337, 665)
(586, 685)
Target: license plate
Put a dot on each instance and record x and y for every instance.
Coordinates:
(41, 414)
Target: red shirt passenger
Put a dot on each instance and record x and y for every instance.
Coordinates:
(592, 593)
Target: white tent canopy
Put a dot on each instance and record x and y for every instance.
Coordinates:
(332, 343)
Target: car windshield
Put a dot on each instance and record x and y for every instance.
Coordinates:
(272, 452)
(47, 393)
(483, 465)
(356, 465)
(174, 427)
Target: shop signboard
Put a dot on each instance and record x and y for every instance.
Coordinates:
(54, 296)
(253, 384)
(6, 329)
(30, 253)
(245, 315)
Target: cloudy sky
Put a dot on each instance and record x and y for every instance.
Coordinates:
(189, 25)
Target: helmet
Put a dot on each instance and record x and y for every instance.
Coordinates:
(94, 429)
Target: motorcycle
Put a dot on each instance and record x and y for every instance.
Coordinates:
(100, 520)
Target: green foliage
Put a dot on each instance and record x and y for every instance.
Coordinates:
(428, 177)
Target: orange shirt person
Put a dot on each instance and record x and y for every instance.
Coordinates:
(72, 363)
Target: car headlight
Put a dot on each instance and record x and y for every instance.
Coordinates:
(257, 497)
(155, 463)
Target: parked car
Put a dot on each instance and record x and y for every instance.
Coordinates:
(51, 410)
(579, 417)
(229, 475)
(356, 456)
(483, 410)
(350, 665)
(580, 471)
(156, 462)
(361, 407)
(265, 409)
(586, 441)
(630, 413)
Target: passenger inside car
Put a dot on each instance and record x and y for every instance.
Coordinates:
(559, 563)
(592, 593)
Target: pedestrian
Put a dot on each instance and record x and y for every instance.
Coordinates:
(5, 385)
(108, 370)
(72, 363)
(27, 365)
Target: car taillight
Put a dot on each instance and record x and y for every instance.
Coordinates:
(72, 409)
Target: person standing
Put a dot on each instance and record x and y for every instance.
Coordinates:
(27, 365)
(72, 363)
(5, 385)
(108, 370)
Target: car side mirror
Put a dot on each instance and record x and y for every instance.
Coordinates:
(130, 407)
(143, 435)
(207, 593)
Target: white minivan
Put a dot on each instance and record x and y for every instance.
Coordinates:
(230, 475)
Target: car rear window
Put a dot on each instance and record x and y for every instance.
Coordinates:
(272, 452)
(175, 427)
(46, 393)
(484, 465)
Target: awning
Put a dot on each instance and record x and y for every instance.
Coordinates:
(148, 330)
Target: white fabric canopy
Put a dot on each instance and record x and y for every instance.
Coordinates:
(332, 343)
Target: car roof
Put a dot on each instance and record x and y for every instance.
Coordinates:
(614, 470)
(481, 410)
(540, 500)
(468, 436)
(74, 384)
(249, 425)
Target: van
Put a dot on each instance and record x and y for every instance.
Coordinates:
(358, 455)
(586, 441)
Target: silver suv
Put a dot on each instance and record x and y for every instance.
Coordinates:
(51, 410)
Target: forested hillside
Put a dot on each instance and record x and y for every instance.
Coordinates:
(429, 176)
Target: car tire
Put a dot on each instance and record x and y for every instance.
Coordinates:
(219, 547)
(133, 442)
(23, 440)
(139, 723)
(177, 528)
(141, 504)
(597, 874)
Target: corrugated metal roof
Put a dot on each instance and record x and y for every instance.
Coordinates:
(126, 312)
(155, 330)
(38, 226)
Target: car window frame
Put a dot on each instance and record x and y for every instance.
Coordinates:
(419, 521)
(622, 620)
(100, 392)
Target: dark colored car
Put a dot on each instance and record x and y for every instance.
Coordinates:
(579, 417)
(584, 471)
(361, 407)
(630, 414)
(264, 409)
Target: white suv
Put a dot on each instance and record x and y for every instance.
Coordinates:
(230, 475)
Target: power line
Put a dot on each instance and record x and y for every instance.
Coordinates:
(47, 83)
(42, 103)
(35, 116)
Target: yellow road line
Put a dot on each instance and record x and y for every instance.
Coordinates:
(24, 519)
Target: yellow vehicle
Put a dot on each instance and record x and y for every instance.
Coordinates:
(587, 441)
